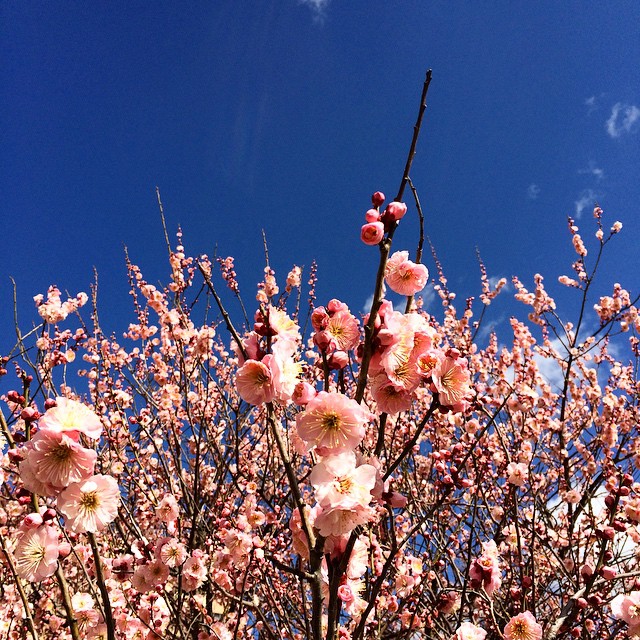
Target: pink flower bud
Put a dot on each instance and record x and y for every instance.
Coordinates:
(32, 521)
(609, 573)
(377, 198)
(335, 305)
(373, 215)
(64, 549)
(395, 211)
(303, 393)
(372, 233)
(324, 341)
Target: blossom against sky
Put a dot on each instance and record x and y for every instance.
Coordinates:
(286, 115)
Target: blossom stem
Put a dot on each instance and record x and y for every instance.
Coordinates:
(106, 603)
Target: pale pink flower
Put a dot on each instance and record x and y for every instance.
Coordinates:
(523, 627)
(451, 380)
(36, 554)
(388, 397)
(255, 382)
(517, 473)
(90, 505)
(339, 483)
(372, 233)
(58, 460)
(344, 327)
(285, 371)
(167, 509)
(626, 607)
(485, 571)
(332, 422)
(469, 631)
(338, 522)
(173, 553)
(404, 276)
(73, 417)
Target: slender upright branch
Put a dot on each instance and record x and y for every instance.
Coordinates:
(385, 248)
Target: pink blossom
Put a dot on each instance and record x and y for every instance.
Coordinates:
(404, 276)
(167, 508)
(345, 329)
(58, 460)
(626, 607)
(332, 422)
(451, 380)
(339, 483)
(338, 521)
(372, 233)
(36, 554)
(517, 473)
(523, 627)
(255, 382)
(284, 369)
(388, 397)
(469, 631)
(90, 505)
(73, 417)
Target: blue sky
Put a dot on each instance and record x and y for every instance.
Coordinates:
(286, 115)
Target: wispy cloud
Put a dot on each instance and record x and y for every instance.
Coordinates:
(592, 170)
(586, 200)
(533, 191)
(318, 8)
(624, 119)
(593, 103)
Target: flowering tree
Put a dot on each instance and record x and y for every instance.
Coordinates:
(379, 477)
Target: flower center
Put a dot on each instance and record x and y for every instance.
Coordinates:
(89, 501)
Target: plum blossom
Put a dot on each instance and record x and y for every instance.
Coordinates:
(404, 276)
(57, 460)
(90, 505)
(523, 627)
(332, 422)
(255, 382)
(72, 417)
(517, 473)
(626, 607)
(451, 379)
(339, 483)
(36, 554)
(469, 631)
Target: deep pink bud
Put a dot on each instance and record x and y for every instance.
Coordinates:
(50, 403)
(609, 573)
(373, 215)
(64, 549)
(324, 341)
(377, 198)
(372, 233)
(335, 305)
(395, 211)
(29, 414)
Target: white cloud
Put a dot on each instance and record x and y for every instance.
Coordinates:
(318, 8)
(623, 119)
(533, 191)
(586, 199)
(593, 171)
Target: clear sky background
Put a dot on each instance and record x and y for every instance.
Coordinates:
(285, 115)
